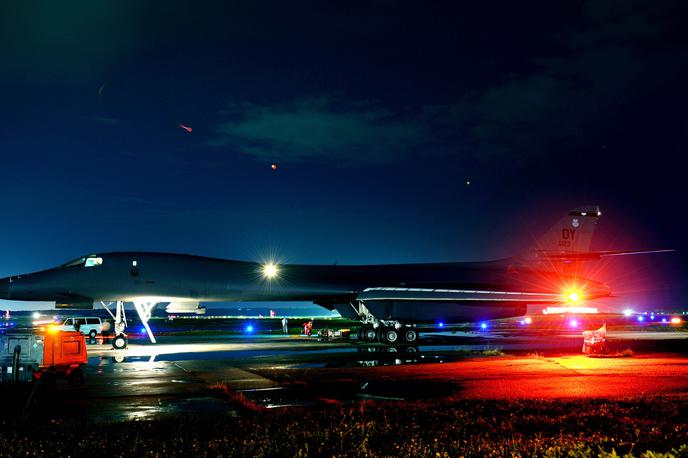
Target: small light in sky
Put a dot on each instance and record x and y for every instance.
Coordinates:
(273, 166)
(468, 182)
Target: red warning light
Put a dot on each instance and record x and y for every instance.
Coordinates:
(186, 128)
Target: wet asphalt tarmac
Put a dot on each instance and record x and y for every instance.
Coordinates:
(184, 374)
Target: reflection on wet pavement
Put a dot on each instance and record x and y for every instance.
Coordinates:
(189, 376)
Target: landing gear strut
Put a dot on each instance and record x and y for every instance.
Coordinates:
(144, 310)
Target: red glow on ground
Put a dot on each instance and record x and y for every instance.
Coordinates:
(529, 377)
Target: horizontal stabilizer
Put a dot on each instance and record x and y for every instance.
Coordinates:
(590, 255)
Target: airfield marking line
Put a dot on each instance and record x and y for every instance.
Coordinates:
(182, 368)
(559, 363)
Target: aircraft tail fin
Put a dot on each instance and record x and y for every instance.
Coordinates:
(570, 237)
(569, 240)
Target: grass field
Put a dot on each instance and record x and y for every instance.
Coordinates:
(450, 427)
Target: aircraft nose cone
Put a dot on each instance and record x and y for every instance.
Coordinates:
(5, 288)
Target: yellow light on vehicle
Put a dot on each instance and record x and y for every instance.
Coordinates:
(270, 270)
(675, 320)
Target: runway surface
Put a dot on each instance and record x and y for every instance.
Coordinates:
(183, 374)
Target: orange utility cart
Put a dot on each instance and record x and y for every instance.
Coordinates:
(46, 354)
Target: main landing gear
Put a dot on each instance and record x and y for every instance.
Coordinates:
(388, 334)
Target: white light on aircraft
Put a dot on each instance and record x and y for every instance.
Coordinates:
(628, 312)
(270, 270)
(564, 310)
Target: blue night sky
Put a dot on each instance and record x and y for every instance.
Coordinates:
(376, 113)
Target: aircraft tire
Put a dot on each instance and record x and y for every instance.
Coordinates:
(93, 334)
(389, 335)
(119, 342)
(370, 335)
(410, 335)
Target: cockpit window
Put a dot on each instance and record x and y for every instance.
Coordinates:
(91, 262)
(85, 261)
(75, 263)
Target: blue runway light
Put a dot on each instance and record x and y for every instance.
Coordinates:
(143, 330)
(249, 329)
(483, 326)
(440, 324)
(641, 318)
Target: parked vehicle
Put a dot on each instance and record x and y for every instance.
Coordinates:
(90, 325)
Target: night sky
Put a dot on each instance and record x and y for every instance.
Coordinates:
(376, 113)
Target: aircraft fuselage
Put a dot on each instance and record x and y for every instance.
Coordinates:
(419, 292)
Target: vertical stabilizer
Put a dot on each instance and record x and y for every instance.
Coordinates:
(570, 236)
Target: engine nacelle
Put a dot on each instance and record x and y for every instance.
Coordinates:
(185, 307)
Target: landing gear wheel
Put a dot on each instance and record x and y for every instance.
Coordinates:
(119, 342)
(93, 334)
(410, 335)
(389, 335)
(369, 335)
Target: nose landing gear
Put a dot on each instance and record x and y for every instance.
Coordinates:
(144, 310)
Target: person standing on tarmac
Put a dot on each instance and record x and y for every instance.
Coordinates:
(285, 330)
